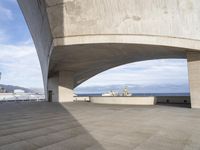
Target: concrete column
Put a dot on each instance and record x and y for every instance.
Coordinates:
(53, 88)
(61, 87)
(66, 85)
(194, 78)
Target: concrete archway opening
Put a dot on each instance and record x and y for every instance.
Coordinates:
(166, 79)
(72, 65)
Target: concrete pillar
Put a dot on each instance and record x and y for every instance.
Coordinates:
(194, 78)
(66, 85)
(61, 86)
(53, 88)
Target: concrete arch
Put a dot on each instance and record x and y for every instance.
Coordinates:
(119, 66)
(101, 56)
(113, 50)
(77, 39)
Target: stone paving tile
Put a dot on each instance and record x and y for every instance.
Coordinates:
(7, 139)
(23, 145)
(80, 142)
(87, 126)
(56, 137)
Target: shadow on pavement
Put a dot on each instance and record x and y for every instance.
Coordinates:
(42, 126)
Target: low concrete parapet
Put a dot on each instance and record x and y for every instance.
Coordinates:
(174, 99)
(134, 100)
(150, 100)
(81, 98)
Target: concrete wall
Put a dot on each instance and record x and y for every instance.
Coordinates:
(53, 86)
(124, 100)
(81, 99)
(57, 24)
(173, 18)
(61, 85)
(65, 87)
(159, 99)
(173, 99)
(167, 28)
(194, 78)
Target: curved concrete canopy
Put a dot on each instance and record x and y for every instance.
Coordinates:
(87, 60)
(78, 39)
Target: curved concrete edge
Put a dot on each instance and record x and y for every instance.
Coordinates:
(124, 100)
(184, 43)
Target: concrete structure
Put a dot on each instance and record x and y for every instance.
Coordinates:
(81, 99)
(143, 100)
(77, 39)
(173, 99)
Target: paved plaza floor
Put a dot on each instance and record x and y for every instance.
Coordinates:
(87, 126)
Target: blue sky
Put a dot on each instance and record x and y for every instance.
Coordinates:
(20, 66)
(18, 59)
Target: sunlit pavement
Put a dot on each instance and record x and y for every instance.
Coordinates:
(80, 126)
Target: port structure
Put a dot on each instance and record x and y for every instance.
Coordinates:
(77, 39)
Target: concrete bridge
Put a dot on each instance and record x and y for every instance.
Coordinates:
(77, 39)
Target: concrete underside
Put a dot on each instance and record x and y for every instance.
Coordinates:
(79, 126)
(87, 60)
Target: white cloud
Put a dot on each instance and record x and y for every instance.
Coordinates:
(19, 63)
(12, 52)
(5, 13)
(3, 36)
(20, 66)
(154, 72)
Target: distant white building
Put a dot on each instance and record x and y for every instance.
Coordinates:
(19, 91)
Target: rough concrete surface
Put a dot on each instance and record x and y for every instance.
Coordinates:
(87, 126)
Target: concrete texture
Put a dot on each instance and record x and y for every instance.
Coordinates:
(87, 126)
(159, 99)
(81, 99)
(194, 78)
(65, 88)
(91, 36)
(173, 99)
(132, 100)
